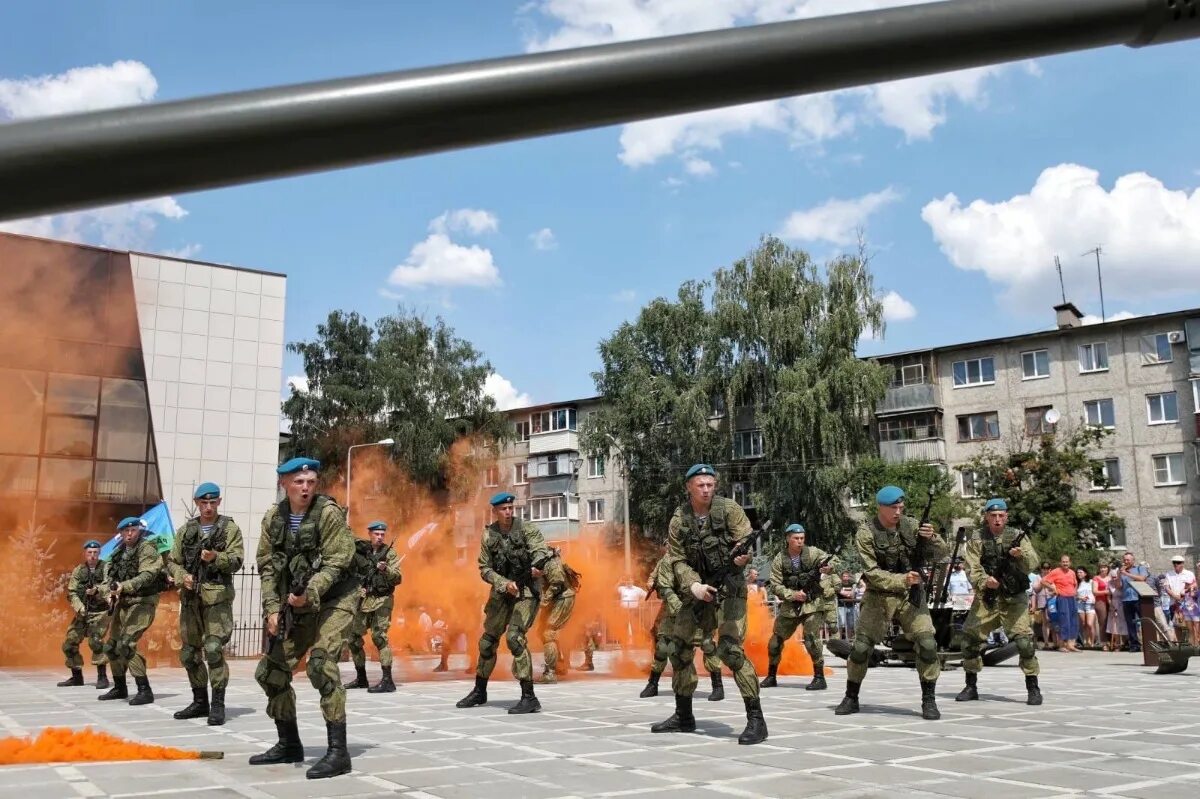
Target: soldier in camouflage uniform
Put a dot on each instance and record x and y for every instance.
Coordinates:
(887, 546)
(700, 542)
(511, 556)
(304, 558)
(1008, 607)
(559, 584)
(829, 587)
(135, 578)
(593, 638)
(206, 554)
(380, 577)
(86, 592)
(795, 572)
(662, 580)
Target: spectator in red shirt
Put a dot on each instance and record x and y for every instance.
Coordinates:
(1062, 583)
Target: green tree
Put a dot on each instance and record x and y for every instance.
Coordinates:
(754, 372)
(868, 475)
(402, 378)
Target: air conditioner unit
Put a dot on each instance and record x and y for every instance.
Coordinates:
(1175, 337)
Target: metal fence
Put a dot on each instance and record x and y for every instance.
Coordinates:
(249, 631)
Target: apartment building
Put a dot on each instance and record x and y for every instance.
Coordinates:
(1139, 378)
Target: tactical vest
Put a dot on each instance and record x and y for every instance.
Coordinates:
(124, 566)
(894, 551)
(510, 553)
(299, 554)
(1013, 581)
(793, 578)
(192, 543)
(707, 548)
(366, 564)
(92, 577)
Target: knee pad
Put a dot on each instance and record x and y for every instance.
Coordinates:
(316, 672)
(487, 647)
(730, 651)
(708, 647)
(926, 649)
(69, 648)
(272, 679)
(188, 656)
(516, 642)
(774, 646)
(1025, 647)
(380, 640)
(860, 652)
(110, 648)
(124, 649)
(662, 648)
(214, 653)
(550, 636)
(676, 653)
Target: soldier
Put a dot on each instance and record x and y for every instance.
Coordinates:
(829, 587)
(86, 592)
(135, 578)
(376, 598)
(700, 542)
(1000, 598)
(511, 555)
(797, 578)
(662, 580)
(207, 552)
(887, 546)
(559, 584)
(593, 638)
(304, 557)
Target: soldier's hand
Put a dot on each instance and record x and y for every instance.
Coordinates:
(741, 560)
(913, 578)
(925, 530)
(799, 596)
(381, 567)
(705, 593)
(297, 601)
(117, 590)
(273, 624)
(991, 582)
(189, 582)
(827, 568)
(208, 555)
(1015, 552)
(511, 589)
(362, 592)
(535, 571)
(92, 591)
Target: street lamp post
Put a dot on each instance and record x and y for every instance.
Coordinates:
(387, 442)
(625, 497)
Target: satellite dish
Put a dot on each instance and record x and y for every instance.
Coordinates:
(1052, 416)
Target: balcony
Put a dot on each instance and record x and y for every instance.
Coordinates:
(919, 397)
(556, 441)
(926, 450)
(555, 485)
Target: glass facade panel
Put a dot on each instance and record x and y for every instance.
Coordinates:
(120, 482)
(73, 394)
(63, 517)
(18, 475)
(106, 515)
(60, 477)
(124, 421)
(21, 404)
(69, 435)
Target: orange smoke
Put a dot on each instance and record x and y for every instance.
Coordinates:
(62, 745)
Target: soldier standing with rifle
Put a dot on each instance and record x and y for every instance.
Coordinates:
(308, 595)
(887, 545)
(797, 577)
(135, 578)
(86, 593)
(707, 549)
(207, 552)
(559, 584)
(511, 555)
(662, 580)
(376, 597)
(998, 563)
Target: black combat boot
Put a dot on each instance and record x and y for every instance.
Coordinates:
(199, 705)
(970, 692)
(144, 695)
(337, 759)
(849, 703)
(287, 749)
(769, 681)
(385, 685)
(718, 689)
(216, 708)
(118, 691)
(444, 663)
(587, 664)
(818, 680)
(529, 703)
(478, 695)
(651, 688)
(360, 678)
(756, 725)
(1035, 693)
(929, 708)
(681, 720)
(102, 677)
(76, 678)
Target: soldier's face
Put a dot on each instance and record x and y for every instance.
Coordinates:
(300, 488)
(377, 537)
(504, 513)
(996, 520)
(131, 534)
(701, 488)
(91, 557)
(795, 542)
(208, 508)
(889, 515)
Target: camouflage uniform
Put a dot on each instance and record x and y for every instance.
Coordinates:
(662, 581)
(139, 571)
(90, 619)
(374, 614)
(829, 587)
(558, 602)
(784, 581)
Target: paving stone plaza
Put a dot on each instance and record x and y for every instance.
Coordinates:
(1110, 727)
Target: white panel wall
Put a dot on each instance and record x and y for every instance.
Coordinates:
(213, 342)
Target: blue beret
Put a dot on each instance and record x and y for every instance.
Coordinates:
(700, 468)
(207, 491)
(377, 526)
(889, 495)
(131, 521)
(995, 504)
(502, 498)
(298, 465)
(92, 544)
(794, 528)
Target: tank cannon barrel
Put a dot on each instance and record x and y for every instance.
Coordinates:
(81, 160)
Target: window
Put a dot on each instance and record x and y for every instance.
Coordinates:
(522, 429)
(1162, 408)
(549, 465)
(1156, 348)
(967, 480)
(69, 435)
(1168, 469)
(1093, 357)
(857, 500)
(1175, 531)
(520, 473)
(979, 426)
(552, 421)
(716, 406)
(1099, 413)
(547, 508)
(1106, 474)
(492, 478)
(124, 429)
(748, 444)
(1036, 423)
(523, 512)
(1196, 396)
(908, 371)
(596, 466)
(18, 475)
(1035, 364)
(917, 427)
(977, 372)
(1116, 537)
(595, 510)
(741, 494)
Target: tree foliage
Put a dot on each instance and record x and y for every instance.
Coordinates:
(402, 378)
(767, 344)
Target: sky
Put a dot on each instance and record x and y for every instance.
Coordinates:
(965, 185)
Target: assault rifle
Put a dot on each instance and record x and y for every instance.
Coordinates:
(287, 616)
(376, 558)
(917, 592)
(1007, 562)
(810, 581)
(743, 547)
(199, 570)
(960, 538)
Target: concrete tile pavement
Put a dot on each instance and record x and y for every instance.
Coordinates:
(1109, 728)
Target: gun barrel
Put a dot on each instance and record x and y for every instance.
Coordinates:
(103, 157)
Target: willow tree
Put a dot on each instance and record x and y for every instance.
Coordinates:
(754, 371)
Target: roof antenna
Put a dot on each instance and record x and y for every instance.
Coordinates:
(1099, 279)
(1061, 286)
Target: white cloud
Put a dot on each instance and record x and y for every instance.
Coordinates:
(1094, 319)
(185, 252)
(624, 295)
(896, 308)
(914, 106)
(1149, 235)
(543, 239)
(505, 393)
(438, 261)
(80, 89)
(465, 220)
(698, 167)
(836, 221)
(129, 226)
(298, 382)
